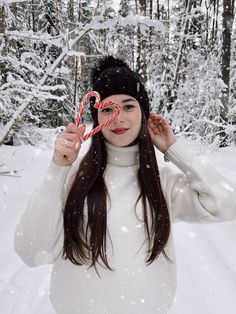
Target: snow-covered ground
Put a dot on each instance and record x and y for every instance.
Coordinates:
(206, 254)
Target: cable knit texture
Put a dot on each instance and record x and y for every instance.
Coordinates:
(198, 194)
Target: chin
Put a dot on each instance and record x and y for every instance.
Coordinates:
(121, 140)
(123, 143)
(119, 144)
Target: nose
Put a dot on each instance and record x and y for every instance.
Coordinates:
(120, 118)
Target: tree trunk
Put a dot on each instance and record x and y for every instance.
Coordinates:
(4, 43)
(2, 19)
(226, 52)
(143, 7)
(217, 15)
(136, 6)
(151, 9)
(75, 82)
(158, 10)
(33, 16)
(207, 22)
(182, 42)
(141, 61)
(168, 10)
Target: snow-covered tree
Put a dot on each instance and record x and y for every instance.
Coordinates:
(48, 47)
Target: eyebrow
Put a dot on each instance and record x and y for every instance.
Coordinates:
(124, 101)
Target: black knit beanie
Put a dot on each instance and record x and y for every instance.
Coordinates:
(113, 76)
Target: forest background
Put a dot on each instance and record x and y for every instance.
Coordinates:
(183, 50)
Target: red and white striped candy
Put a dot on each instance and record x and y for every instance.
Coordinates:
(100, 106)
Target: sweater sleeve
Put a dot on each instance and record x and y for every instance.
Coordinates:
(39, 233)
(199, 193)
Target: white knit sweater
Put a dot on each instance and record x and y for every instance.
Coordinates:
(199, 194)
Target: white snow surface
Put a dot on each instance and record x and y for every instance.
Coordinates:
(206, 254)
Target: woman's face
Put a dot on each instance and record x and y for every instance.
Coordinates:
(125, 129)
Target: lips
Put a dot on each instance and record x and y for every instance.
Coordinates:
(120, 130)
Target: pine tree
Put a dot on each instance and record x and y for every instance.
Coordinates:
(124, 8)
(125, 35)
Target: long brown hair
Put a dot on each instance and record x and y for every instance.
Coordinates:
(85, 234)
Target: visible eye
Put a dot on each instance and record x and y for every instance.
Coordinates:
(107, 110)
(129, 107)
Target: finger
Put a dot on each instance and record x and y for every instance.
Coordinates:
(80, 132)
(77, 146)
(71, 128)
(76, 138)
(69, 140)
(157, 127)
(157, 118)
(71, 136)
(153, 122)
(66, 141)
(152, 125)
(158, 121)
(153, 130)
(155, 115)
(153, 118)
(161, 120)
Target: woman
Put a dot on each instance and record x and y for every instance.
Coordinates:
(105, 221)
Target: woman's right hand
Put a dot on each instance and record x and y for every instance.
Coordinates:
(67, 145)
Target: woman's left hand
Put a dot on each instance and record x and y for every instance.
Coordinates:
(160, 131)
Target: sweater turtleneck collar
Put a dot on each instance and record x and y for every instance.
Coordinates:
(122, 156)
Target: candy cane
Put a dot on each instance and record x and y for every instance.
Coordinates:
(99, 106)
(83, 104)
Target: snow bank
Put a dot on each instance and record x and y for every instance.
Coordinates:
(206, 257)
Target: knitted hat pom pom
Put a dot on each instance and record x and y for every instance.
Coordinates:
(106, 63)
(112, 76)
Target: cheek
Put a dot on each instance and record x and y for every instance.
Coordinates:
(104, 131)
(99, 118)
(102, 118)
(138, 122)
(138, 119)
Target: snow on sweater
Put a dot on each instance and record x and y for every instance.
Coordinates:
(199, 194)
